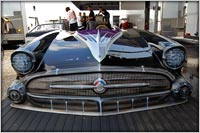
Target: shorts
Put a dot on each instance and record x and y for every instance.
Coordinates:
(74, 27)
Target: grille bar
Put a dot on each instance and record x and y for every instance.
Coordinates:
(72, 86)
(105, 86)
(98, 99)
(127, 85)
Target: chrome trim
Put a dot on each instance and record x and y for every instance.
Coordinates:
(156, 46)
(178, 84)
(105, 86)
(98, 45)
(20, 88)
(83, 106)
(66, 106)
(127, 85)
(147, 102)
(72, 86)
(51, 104)
(160, 61)
(143, 68)
(132, 101)
(98, 99)
(117, 106)
(28, 106)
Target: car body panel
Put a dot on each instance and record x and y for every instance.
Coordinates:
(73, 53)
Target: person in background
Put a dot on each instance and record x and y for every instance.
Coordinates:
(91, 19)
(79, 19)
(84, 22)
(71, 18)
(106, 17)
(100, 11)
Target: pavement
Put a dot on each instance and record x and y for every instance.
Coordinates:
(191, 69)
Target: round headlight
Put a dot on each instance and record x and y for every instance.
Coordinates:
(22, 62)
(174, 58)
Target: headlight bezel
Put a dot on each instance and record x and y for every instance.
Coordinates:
(164, 58)
(27, 53)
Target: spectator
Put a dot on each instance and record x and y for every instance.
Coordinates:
(106, 17)
(84, 18)
(71, 18)
(79, 19)
(100, 11)
(91, 19)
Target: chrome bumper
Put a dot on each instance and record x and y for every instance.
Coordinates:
(99, 102)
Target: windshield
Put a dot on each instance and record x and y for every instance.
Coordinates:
(131, 37)
(45, 27)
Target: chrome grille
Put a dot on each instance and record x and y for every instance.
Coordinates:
(102, 106)
(126, 91)
(157, 83)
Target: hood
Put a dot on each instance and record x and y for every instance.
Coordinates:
(91, 47)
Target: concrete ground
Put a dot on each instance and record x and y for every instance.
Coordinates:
(190, 71)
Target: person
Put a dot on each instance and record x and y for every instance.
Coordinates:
(71, 18)
(84, 22)
(124, 23)
(79, 19)
(100, 11)
(106, 17)
(91, 19)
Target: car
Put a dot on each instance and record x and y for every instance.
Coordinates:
(44, 28)
(99, 72)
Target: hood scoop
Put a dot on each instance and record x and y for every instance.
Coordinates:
(98, 41)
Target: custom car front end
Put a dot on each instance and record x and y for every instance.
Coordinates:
(99, 72)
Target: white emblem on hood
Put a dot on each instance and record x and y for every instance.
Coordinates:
(98, 41)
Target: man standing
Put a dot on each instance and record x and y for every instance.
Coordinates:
(84, 21)
(91, 19)
(106, 17)
(79, 19)
(71, 18)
